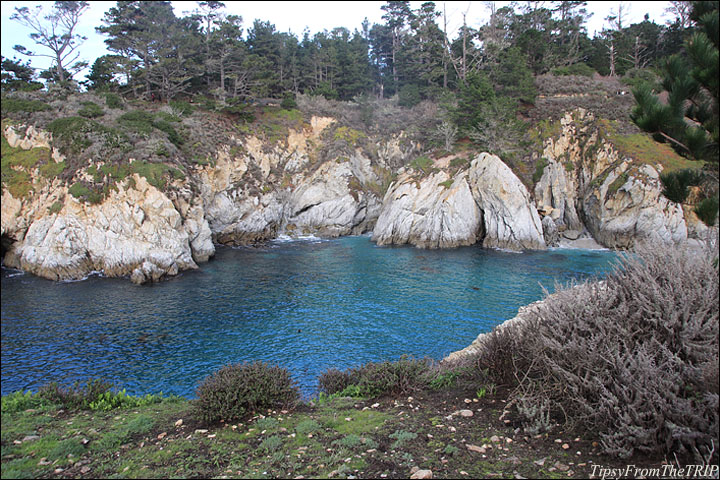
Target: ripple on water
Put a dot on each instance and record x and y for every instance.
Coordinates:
(307, 305)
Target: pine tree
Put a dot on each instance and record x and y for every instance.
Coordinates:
(689, 119)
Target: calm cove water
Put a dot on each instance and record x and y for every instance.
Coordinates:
(305, 305)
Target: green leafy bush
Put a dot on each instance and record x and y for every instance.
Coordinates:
(94, 395)
(182, 107)
(143, 122)
(75, 134)
(239, 390)
(539, 169)
(707, 211)
(113, 100)
(18, 401)
(582, 69)
(288, 103)
(676, 183)
(15, 105)
(91, 110)
(375, 379)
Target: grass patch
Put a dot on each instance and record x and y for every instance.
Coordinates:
(642, 147)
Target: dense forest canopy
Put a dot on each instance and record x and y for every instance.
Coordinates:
(479, 72)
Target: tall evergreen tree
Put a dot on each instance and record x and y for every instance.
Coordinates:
(56, 32)
(689, 119)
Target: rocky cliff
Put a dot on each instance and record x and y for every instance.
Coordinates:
(254, 191)
(589, 185)
(250, 195)
(486, 203)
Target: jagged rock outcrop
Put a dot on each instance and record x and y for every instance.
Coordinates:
(486, 202)
(588, 185)
(510, 217)
(429, 213)
(250, 194)
(135, 231)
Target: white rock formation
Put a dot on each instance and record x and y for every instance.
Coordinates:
(486, 203)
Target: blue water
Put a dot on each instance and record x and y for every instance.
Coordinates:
(306, 306)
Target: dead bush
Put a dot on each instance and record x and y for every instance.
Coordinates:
(631, 358)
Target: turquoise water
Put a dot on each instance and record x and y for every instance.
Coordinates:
(305, 305)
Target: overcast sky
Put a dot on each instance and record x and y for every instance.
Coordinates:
(295, 17)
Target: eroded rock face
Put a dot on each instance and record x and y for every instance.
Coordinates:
(510, 216)
(252, 193)
(429, 214)
(588, 185)
(134, 231)
(485, 203)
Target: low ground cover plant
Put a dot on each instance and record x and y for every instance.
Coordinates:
(236, 391)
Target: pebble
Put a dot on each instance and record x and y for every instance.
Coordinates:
(162, 435)
(421, 474)
(495, 439)
(475, 448)
(540, 462)
(565, 446)
(44, 461)
(202, 430)
(179, 423)
(561, 467)
(467, 400)
(84, 470)
(375, 405)
(30, 438)
(466, 413)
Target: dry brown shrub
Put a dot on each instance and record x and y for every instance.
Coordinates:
(633, 358)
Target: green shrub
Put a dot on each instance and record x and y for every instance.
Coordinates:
(707, 211)
(422, 162)
(18, 401)
(333, 381)
(91, 110)
(82, 192)
(182, 107)
(582, 69)
(288, 103)
(75, 396)
(113, 100)
(239, 390)
(143, 122)
(15, 105)
(75, 134)
(375, 379)
(539, 169)
(676, 183)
